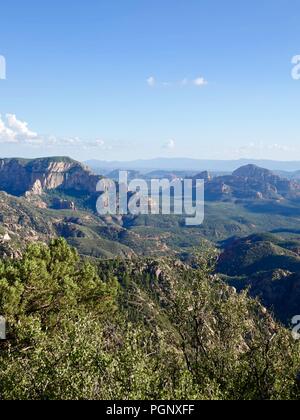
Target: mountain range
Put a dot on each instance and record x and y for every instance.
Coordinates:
(252, 218)
(186, 164)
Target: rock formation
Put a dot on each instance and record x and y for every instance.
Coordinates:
(20, 176)
(252, 182)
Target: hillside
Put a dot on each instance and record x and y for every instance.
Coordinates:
(21, 223)
(256, 253)
(269, 266)
(64, 204)
(142, 330)
(57, 197)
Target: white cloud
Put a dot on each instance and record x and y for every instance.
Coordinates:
(200, 81)
(15, 131)
(76, 142)
(151, 81)
(20, 127)
(61, 141)
(98, 143)
(261, 150)
(280, 147)
(170, 144)
(6, 134)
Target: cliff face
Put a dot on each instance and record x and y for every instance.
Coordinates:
(252, 182)
(18, 176)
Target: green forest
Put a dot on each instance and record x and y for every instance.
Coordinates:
(81, 328)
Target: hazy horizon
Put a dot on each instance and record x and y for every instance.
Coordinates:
(177, 163)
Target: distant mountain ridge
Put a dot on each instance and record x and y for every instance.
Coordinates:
(198, 165)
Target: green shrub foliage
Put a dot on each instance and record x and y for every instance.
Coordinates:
(114, 330)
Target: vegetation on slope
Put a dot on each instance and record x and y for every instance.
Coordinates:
(136, 330)
(269, 267)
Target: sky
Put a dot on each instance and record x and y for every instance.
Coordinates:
(131, 79)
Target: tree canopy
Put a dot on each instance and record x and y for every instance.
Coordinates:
(78, 329)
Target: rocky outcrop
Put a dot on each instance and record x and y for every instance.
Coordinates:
(37, 188)
(252, 182)
(69, 230)
(6, 251)
(21, 176)
(22, 223)
(255, 172)
(60, 204)
(203, 175)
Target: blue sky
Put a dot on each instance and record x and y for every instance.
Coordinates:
(128, 79)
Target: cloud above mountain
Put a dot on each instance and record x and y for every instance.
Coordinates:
(15, 131)
(263, 150)
(169, 145)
